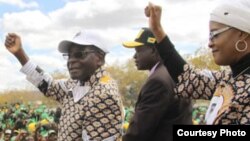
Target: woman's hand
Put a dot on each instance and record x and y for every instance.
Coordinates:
(153, 12)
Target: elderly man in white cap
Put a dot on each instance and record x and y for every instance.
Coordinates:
(91, 104)
(229, 91)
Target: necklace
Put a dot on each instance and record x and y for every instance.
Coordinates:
(241, 73)
(228, 80)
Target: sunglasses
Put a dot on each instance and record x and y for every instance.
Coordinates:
(77, 55)
(215, 33)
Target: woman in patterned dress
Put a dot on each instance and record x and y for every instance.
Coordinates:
(229, 91)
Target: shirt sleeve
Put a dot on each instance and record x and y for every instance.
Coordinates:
(44, 81)
(171, 58)
(191, 83)
(197, 84)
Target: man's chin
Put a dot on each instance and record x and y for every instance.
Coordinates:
(140, 68)
(74, 77)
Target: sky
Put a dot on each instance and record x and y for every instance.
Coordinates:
(42, 24)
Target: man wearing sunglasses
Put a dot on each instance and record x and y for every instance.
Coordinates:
(91, 104)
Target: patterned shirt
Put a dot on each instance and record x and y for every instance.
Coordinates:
(92, 112)
(202, 85)
(230, 96)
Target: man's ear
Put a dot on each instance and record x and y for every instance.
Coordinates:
(100, 59)
(154, 51)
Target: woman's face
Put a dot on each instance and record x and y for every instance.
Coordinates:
(222, 42)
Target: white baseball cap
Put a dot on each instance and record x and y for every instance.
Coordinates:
(234, 13)
(8, 131)
(84, 38)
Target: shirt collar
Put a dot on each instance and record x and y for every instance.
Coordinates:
(153, 69)
(100, 72)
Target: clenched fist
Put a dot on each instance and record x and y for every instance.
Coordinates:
(13, 43)
(153, 12)
(147, 12)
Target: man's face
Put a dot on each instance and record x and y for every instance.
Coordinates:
(144, 58)
(7, 136)
(82, 62)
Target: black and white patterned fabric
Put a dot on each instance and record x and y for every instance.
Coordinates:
(92, 112)
(197, 84)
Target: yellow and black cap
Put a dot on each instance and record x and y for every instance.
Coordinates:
(144, 38)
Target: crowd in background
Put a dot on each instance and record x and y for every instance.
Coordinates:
(37, 122)
(28, 122)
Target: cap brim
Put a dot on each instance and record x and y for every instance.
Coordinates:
(51, 131)
(65, 44)
(132, 44)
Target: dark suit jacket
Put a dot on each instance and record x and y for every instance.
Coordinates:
(157, 110)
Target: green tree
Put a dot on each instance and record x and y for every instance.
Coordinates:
(203, 59)
(129, 79)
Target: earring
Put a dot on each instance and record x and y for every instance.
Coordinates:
(237, 45)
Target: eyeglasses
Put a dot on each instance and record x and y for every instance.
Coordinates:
(215, 33)
(77, 55)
